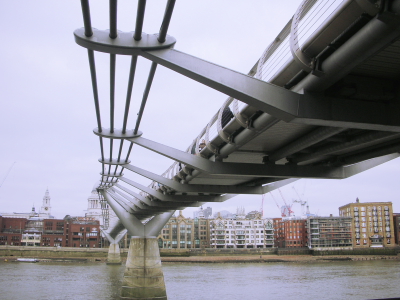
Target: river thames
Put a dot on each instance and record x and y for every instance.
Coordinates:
(199, 281)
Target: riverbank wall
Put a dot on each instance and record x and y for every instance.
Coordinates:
(100, 254)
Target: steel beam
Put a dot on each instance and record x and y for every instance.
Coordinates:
(195, 188)
(305, 141)
(275, 100)
(162, 197)
(158, 204)
(368, 164)
(308, 108)
(244, 169)
(364, 139)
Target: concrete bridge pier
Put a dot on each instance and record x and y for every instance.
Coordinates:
(143, 277)
(114, 255)
(114, 237)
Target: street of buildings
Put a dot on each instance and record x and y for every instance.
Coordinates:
(359, 225)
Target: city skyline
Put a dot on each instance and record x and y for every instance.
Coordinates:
(47, 107)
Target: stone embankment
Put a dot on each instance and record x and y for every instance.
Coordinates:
(53, 254)
(272, 259)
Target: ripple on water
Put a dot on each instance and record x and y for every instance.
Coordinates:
(191, 281)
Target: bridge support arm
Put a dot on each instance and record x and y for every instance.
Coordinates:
(228, 169)
(143, 277)
(283, 104)
(114, 253)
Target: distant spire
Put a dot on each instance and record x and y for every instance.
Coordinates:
(46, 206)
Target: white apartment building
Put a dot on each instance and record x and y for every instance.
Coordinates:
(241, 233)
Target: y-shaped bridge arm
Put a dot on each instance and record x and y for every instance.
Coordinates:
(117, 238)
(133, 225)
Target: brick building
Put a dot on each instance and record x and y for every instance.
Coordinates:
(81, 232)
(290, 232)
(11, 230)
(67, 232)
(372, 223)
(53, 233)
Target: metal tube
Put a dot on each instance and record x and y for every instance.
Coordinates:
(165, 23)
(145, 95)
(115, 170)
(113, 19)
(120, 149)
(261, 124)
(139, 20)
(387, 149)
(86, 18)
(111, 151)
(112, 91)
(129, 152)
(129, 92)
(101, 148)
(94, 87)
(368, 40)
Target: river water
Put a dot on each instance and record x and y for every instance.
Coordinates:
(192, 281)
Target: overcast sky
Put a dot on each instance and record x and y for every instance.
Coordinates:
(47, 112)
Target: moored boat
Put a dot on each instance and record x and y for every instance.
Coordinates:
(33, 260)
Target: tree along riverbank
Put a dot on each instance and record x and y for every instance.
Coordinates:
(261, 255)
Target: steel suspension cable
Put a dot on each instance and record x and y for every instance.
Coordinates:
(94, 87)
(129, 152)
(139, 20)
(113, 19)
(120, 149)
(166, 20)
(112, 91)
(129, 92)
(145, 95)
(86, 18)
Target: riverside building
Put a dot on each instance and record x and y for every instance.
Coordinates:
(330, 233)
(290, 232)
(183, 233)
(241, 233)
(372, 224)
(396, 224)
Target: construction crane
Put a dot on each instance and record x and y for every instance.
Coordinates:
(8, 172)
(262, 206)
(287, 209)
(302, 203)
(276, 202)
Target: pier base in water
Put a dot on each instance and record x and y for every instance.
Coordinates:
(114, 255)
(143, 277)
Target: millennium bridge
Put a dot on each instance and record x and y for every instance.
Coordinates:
(321, 102)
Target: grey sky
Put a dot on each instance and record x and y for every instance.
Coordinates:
(47, 112)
